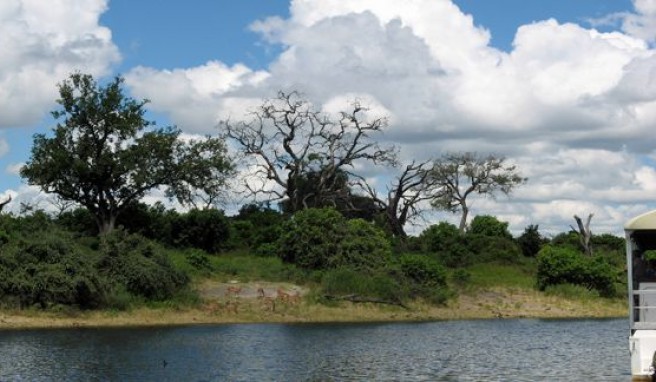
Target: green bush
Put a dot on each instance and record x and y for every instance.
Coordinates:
(461, 277)
(207, 229)
(49, 270)
(567, 266)
(198, 260)
(323, 239)
(488, 249)
(364, 247)
(426, 277)
(486, 225)
(530, 241)
(439, 237)
(422, 270)
(311, 237)
(567, 239)
(447, 244)
(457, 255)
(256, 225)
(140, 266)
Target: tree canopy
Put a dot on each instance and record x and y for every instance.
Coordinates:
(458, 175)
(105, 154)
(290, 144)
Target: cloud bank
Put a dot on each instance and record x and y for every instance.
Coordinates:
(573, 107)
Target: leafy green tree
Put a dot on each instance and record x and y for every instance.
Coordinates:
(457, 176)
(487, 225)
(531, 241)
(206, 229)
(439, 237)
(106, 155)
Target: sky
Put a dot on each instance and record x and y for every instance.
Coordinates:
(565, 90)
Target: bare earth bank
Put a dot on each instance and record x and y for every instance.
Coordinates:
(254, 302)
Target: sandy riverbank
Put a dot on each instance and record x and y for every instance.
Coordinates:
(221, 306)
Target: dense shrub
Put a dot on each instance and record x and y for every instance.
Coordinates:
(311, 237)
(207, 229)
(567, 239)
(324, 239)
(530, 241)
(486, 225)
(439, 237)
(139, 266)
(559, 265)
(608, 242)
(423, 270)
(47, 270)
(425, 277)
(256, 225)
(151, 221)
(487, 249)
(364, 247)
(78, 221)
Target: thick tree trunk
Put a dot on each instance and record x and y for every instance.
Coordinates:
(463, 218)
(106, 223)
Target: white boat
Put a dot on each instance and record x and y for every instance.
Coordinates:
(641, 267)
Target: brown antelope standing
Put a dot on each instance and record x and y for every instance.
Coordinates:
(282, 295)
(269, 303)
(295, 298)
(232, 290)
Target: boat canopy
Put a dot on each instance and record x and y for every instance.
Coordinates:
(646, 221)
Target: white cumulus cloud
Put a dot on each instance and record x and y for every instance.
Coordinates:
(42, 42)
(571, 106)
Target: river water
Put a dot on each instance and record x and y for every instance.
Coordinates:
(484, 350)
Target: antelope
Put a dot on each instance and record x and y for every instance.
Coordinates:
(282, 295)
(269, 303)
(232, 290)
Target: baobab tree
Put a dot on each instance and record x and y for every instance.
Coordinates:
(288, 142)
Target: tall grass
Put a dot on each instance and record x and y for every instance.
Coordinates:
(237, 265)
(497, 275)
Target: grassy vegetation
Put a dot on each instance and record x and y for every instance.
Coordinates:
(500, 275)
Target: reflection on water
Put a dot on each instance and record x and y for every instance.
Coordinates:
(488, 350)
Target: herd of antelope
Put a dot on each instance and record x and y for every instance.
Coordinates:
(269, 302)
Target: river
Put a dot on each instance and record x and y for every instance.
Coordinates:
(483, 350)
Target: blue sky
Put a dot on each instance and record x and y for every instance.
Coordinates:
(173, 34)
(575, 94)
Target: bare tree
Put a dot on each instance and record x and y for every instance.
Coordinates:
(401, 204)
(457, 175)
(3, 204)
(60, 204)
(584, 233)
(289, 142)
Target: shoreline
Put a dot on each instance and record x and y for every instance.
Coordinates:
(494, 303)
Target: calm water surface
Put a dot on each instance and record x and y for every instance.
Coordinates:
(487, 350)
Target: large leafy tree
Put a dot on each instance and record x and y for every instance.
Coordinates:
(458, 175)
(105, 155)
(288, 144)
